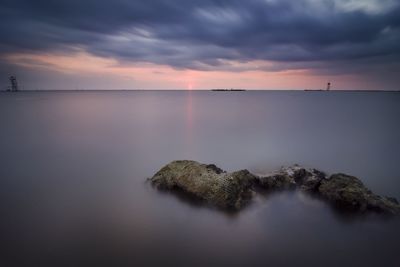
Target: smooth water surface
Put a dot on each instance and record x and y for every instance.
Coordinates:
(74, 166)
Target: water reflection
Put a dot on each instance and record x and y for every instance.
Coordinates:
(189, 122)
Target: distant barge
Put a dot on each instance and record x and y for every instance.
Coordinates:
(227, 90)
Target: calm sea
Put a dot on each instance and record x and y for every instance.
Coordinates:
(73, 167)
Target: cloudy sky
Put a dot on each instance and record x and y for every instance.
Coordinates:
(182, 44)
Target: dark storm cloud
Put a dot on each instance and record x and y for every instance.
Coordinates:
(329, 36)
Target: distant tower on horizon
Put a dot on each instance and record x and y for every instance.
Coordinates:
(328, 86)
(14, 84)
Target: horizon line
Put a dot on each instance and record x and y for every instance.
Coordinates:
(212, 90)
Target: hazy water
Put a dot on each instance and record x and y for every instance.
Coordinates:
(73, 168)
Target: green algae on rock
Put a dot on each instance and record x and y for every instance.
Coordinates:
(207, 182)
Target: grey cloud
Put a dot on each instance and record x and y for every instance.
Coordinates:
(206, 34)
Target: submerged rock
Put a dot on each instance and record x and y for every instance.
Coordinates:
(207, 182)
(348, 192)
(291, 178)
(233, 190)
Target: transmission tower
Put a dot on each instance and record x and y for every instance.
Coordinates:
(14, 84)
(328, 86)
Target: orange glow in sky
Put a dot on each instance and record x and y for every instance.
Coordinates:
(111, 74)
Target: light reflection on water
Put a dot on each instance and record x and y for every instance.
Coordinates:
(73, 169)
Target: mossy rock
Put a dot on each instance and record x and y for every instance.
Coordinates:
(207, 182)
(232, 191)
(349, 193)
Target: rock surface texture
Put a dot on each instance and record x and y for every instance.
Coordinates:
(349, 192)
(207, 182)
(232, 191)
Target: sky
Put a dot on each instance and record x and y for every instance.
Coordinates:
(200, 44)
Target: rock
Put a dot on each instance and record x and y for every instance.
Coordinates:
(349, 193)
(232, 191)
(207, 182)
(277, 181)
(309, 180)
(292, 177)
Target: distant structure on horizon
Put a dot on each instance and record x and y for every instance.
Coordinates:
(14, 84)
(328, 86)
